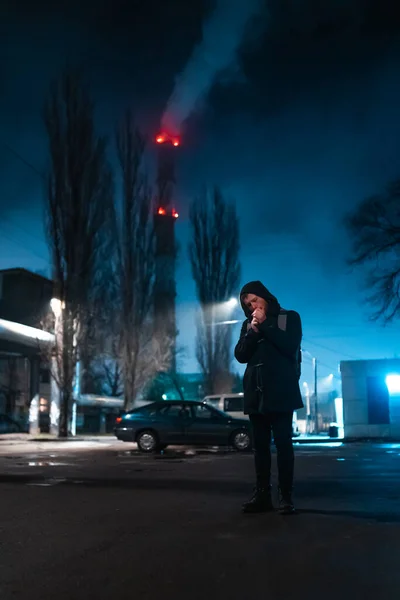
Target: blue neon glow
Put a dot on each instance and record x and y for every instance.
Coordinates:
(393, 384)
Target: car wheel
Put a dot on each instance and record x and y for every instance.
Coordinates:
(241, 440)
(147, 441)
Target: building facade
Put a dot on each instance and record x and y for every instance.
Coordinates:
(24, 296)
(24, 379)
(371, 398)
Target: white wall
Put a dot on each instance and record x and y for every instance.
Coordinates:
(355, 401)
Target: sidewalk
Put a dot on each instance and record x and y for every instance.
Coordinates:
(17, 438)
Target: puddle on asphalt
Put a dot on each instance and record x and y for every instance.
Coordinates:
(175, 455)
(46, 464)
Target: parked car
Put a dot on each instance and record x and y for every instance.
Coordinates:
(233, 405)
(8, 425)
(155, 426)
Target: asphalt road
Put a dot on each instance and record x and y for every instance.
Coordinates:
(97, 520)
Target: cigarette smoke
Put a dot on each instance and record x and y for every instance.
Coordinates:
(224, 32)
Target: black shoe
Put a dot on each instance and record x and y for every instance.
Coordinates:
(286, 506)
(261, 501)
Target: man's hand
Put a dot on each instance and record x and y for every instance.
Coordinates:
(253, 325)
(258, 316)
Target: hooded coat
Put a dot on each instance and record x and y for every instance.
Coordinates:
(271, 379)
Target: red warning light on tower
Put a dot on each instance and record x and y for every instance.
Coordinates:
(163, 212)
(164, 138)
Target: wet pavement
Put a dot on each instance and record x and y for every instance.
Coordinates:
(101, 520)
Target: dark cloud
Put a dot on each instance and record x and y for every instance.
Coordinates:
(309, 129)
(128, 51)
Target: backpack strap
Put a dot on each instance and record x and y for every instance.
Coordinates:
(282, 321)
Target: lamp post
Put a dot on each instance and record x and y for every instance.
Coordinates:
(216, 319)
(315, 367)
(315, 394)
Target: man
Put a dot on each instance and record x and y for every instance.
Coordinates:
(269, 343)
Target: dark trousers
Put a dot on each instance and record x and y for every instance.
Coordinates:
(280, 424)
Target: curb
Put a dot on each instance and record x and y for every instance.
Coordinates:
(27, 438)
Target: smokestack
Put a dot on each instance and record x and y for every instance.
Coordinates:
(225, 31)
(164, 219)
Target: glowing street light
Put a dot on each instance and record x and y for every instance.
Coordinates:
(393, 384)
(57, 306)
(221, 310)
(232, 302)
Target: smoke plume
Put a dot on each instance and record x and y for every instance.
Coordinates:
(228, 26)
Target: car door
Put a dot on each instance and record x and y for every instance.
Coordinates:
(171, 423)
(207, 426)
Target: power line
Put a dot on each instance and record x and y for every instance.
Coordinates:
(32, 235)
(338, 353)
(331, 368)
(14, 241)
(22, 159)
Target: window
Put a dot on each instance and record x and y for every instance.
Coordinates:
(378, 401)
(174, 411)
(200, 411)
(233, 404)
(44, 375)
(149, 410)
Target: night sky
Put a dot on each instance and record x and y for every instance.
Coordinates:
(300, 128)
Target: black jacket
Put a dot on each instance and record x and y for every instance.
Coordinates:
(271, 379)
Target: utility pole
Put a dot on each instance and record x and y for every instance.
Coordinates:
(315, 365)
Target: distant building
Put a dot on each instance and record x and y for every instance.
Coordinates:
(97, 414)
(24, 300)
(24, 296)
(371, 398)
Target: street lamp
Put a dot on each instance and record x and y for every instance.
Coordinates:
(221, 310)
(232, 302)
(57, 306)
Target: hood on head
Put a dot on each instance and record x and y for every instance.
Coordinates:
(258, 289)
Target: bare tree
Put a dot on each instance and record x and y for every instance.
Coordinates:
(374, 228)
(136, 262)
(214, 257)
(10, 382)
(106, 367)
(113, 378)
(79, 206)
(99, 352)
(106, 375)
